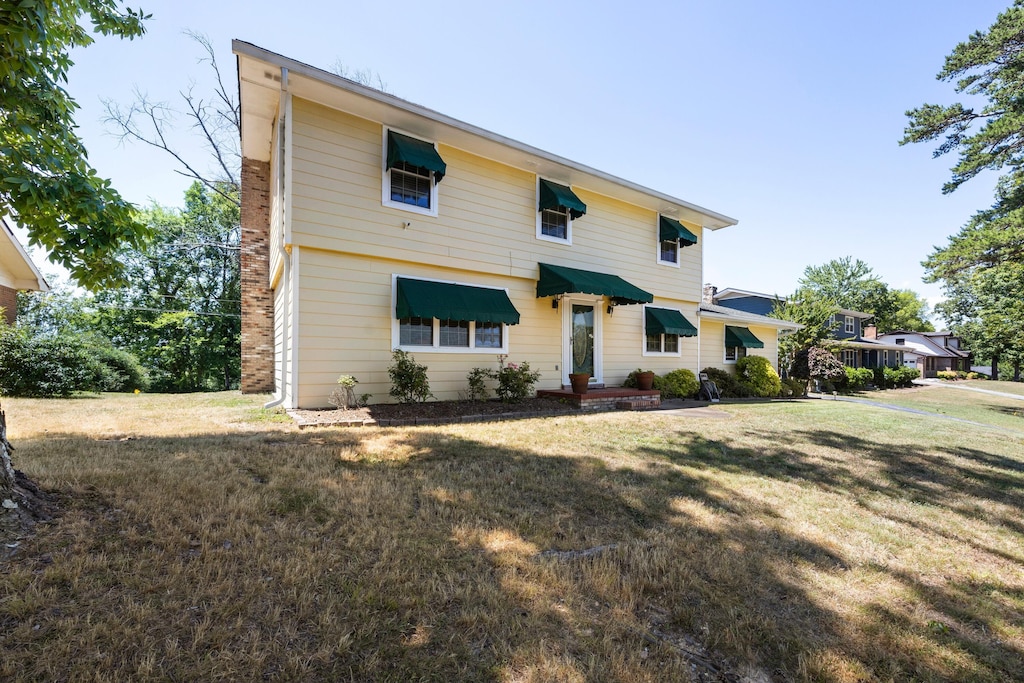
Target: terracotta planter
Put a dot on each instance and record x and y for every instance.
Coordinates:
(645, 381)
(580, 382)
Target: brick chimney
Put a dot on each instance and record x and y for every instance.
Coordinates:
(257, 297)
(869, 332)
(709, 293)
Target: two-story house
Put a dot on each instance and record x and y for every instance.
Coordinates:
(930, 352)
(370, 223)
(17, 273)
(853, 340)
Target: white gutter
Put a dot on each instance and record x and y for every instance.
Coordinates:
(285, 281)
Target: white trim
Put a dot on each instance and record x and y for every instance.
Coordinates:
(657, 246)
(385, 183)
(286, 237)
(739, 354)
(660, 354)
(293, 351)
(568, 216)
(849, 326)
(565, 304)
(436, 334)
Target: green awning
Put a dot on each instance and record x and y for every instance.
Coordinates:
(672, 230)
(553, 195)
(447, 301)
(556, 280)
(415, 153)
(741, 336)
(668, 321)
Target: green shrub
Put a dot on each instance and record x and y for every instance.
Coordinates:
(515, 382)
(890, 378)
(120, 370)
(409, 383)
(759, 375)
(946, 374)
(858, 378)
(681, 383)
(728, 385)
(45, 366)
(631, 382)
(344, 395)
(976, 375)
(477, 381)
(817, 363)
(794, 387)
(960, 374)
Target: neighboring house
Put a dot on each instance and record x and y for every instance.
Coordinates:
(855, 342)
(735, 324)
(930, 352)
(17, 273)
(370, 223)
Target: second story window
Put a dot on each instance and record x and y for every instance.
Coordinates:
(849, 324)
(412, 171)
(557, 207)
(672, 236)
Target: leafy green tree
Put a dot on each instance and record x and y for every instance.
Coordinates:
(180, 310)
(812, 311)
(45, 179)
(911, 314)
(850, 284)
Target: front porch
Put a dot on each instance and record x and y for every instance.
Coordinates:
(620, 398)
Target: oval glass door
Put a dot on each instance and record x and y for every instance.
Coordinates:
(583, 339)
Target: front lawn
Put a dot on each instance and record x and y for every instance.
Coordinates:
(992, 385)
(1000, 411)
(815, 540)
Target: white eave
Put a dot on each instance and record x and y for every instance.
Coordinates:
(259, 84)
(14, 259)
(731, 315)
(732, 293)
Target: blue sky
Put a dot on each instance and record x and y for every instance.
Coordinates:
(785, 116)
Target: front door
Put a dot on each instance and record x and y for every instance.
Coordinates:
(582, 339)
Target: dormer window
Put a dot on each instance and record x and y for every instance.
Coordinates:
(412, 171)
(557, 207)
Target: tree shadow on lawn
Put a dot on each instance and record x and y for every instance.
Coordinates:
(416, 555)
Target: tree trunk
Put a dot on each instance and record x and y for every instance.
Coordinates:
(995, 366)
(1016, 370)
(6, 468)
(22, 504)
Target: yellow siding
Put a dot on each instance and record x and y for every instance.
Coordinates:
(770, 337)
(6, 276)
(712, 344)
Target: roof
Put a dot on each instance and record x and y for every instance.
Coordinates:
(263, 75)
(14, 260)
(732, 293)
(925, 345)
(856, 314)
(715, 311)
(865, 344)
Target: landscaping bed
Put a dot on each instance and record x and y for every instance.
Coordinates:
(432, 412)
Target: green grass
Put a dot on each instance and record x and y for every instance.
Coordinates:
(1007, 387)
(815, 540)
(998, 411)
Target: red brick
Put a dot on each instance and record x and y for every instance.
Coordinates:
(9, 303)
(257, 297)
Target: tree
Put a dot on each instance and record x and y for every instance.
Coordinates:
(45, 179)
(850, 284)
(911, 314)
(812, 311)
(180, 312)
(986, 66)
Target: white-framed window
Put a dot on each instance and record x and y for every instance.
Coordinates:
(432, 335)
(885, 357)
(849, 324)
(555, 225)
(850, 357)
(408, 187)
(734, 353)
(661, 344)
(657, 340)
(668, 252)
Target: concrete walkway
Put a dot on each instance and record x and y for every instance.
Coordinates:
(957, 385)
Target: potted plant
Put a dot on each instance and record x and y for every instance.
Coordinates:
(579, 381)
(644, 379)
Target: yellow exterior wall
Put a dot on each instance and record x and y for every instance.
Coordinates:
(712, 344)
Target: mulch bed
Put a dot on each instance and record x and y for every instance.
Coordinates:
(433, 412)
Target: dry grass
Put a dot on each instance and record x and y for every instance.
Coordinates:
(999, 411)
(203, 540)
(994, 385)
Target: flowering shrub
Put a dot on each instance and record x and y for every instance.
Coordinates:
(515, 382)
(409, 383)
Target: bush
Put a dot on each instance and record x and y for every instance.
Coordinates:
(681, 383)
(344, 395)
(759, 376)
(45, 366)
(890, 378)
(728, 385)
(476, 379)
(119, 370)
(794, 387)
(858, 378)
(409, 383)
(515, 382)
(976, 375)
(817, 363)
(631, 382)
(946, 374)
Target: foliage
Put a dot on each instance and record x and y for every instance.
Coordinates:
(45, 178)
(858, 378)
(180, 310)
(759, 375)
(344, 395)
(976, 375)
(515, 382)
(631, 381)
(947, 374)
(119, 370)
(911, 313)
(816, 363)
(728, 385)
(891, 378)
(793, 387)
(679, 383)
(815, 313)
(409, 383)
(476, 379)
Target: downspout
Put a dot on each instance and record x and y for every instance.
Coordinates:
(286, 276)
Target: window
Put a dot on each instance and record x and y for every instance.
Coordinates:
(662, 343)
(437, 316)
(885, 357)
(850, 357)
(669, 252)
(555, 223)
(734, 353)
(849, 324)
(662, 329)
(901, 342)
(557, 207)
(412, 169)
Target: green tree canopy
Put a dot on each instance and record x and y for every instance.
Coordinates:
(45, 178)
